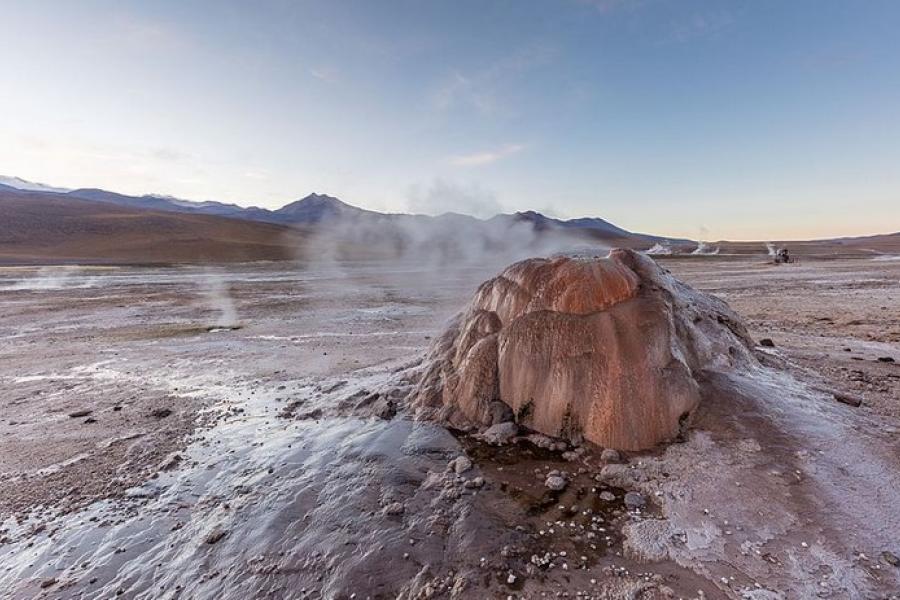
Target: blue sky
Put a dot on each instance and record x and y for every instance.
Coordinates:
(762, 119)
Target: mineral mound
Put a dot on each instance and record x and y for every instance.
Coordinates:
(611, 350)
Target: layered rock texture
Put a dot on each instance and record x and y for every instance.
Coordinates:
(611, 350)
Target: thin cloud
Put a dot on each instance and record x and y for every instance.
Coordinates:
(699, 26)
(486, 89)
(605, 6)
(141, 33)
(326, 74)
(480, 159)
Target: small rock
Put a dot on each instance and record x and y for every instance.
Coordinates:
(385, 409)
(610, 455)
(890, 558)
(634, 500)
(161, 413)
(215, 535)
(540, 440)
(885, 359)
(500, 433)
(80, 413)
(461, 464)
(607, 496)
(47, 583)
(477, 482)
(847, 399)
(556, 482)
(500, 412)
(767, 342)
(394, 509)
(143, 491)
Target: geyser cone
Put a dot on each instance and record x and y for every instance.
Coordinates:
(610, 350)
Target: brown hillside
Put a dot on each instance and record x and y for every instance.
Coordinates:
(41, 227)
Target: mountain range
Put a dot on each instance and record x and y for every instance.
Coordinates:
(40, 223)
(315, 209)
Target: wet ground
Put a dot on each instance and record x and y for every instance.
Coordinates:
(196, 433)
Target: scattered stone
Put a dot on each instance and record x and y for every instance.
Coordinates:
(610, 455)
(767, 343)
(541, 441)
(476, 483)
(847, 399)
(215, 536)
(80, 413)
(394, 509)
(890, 558)
(500, 433)
(143, 491)
(171, 463)
(634, 500)
(460, 464)
(385, 409)
(556, 482)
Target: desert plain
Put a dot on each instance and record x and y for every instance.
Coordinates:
(240, 431)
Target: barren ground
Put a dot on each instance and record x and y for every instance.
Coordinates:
(146, 451)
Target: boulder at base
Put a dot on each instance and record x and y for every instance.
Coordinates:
(610, 350)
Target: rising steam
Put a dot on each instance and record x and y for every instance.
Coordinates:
(218, 297)
(705, 249)
(659, 249)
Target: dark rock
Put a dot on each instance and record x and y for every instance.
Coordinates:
(885, 359)
(161, 413)
(48, 583)
(311, 414)
(890, 558)
(500, 413)
(385, 409)
(848, 400)
(634, 500)
(90, 420)
(767, 342)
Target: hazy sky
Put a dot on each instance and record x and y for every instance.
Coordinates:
(760, 119)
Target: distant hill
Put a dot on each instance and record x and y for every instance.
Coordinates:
(41, 227)
(21, 184)
(341, 229)
(40, 223)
